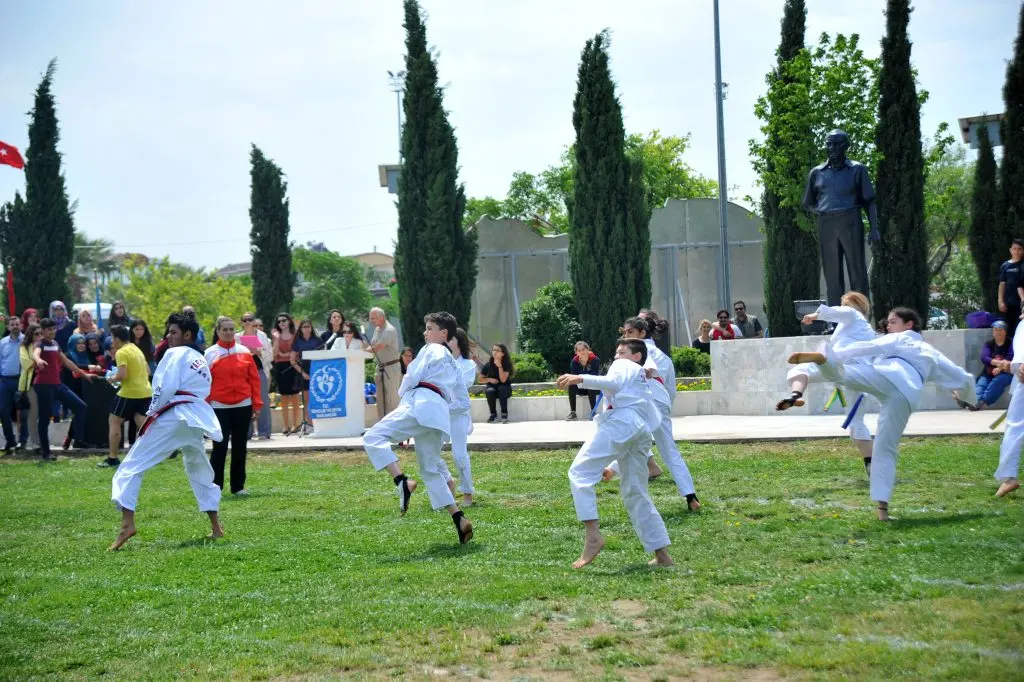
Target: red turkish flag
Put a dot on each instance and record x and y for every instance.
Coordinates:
(9, 155)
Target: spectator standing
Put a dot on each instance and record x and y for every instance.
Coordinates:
(497, 374)
(384, 346)
(333, 333)
(305, 340)
(996, 355)
(408, 355)
(289, 383)
(583, 362)
(235, 398)
(264, 358)
(201, 336)
(134, 392)
(29, 318)
(117, 316)
(748, 324)
(65, 328)
(48, 359)
(1011, 291)
(28, 405)
(142, 338)
(10, 376)
(703, 340)
(86, 325)
(352, 339)
(723, 329)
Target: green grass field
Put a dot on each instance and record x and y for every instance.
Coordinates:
(785, 574)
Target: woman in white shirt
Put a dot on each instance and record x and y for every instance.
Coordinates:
(350, 339)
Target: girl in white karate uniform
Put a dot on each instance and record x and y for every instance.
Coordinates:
(423, 414)
(851, 323)
(902, 364)
(461, 418)
(624, 434)
(1008, 471)
(662, 372)
(178, 417)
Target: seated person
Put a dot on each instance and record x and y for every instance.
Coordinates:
(584, 362)
(995, 376)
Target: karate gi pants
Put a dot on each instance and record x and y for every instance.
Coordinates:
(858, 429)
(1013, 437)
(892, 420)
(462, 426)
(585, 473)
(401, 425)
(671, 456)
(164, 436)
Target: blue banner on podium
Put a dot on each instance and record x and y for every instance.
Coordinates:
(327, 389)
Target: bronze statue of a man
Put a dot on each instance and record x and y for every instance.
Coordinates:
(837, 191)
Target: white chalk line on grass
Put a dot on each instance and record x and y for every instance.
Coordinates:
(954, 582)
(960, 647)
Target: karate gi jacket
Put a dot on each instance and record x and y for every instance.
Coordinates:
(183, 369)
(629, 406)
(433, 365)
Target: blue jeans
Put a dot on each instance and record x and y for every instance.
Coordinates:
(9, 389)
(990, 389)
(47, 395)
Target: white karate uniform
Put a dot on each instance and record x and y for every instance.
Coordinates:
(850, 326)
(663, 395)
(423, 415)
(462, 424)
(623, 433)
(183, 370)
(1013, 437)
(902, 364)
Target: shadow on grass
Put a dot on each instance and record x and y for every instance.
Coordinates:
(438, 550)
(931, 521)
(200, 542)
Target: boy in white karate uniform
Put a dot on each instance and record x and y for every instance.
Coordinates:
(423, 414)
(624, 434)
(461, 419)
(1008, 471)
(662, 372)
(177, 419)
(851, 323)
(902, 364)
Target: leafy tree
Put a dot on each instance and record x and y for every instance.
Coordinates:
(960, 291)
(329, 281)
(549, 325)
(610, 245)
(986, 239)
(542, 200)
(1012, 168)
(272, 279)
(791, 255)
(899, 273)
(947, 205)
(38, 239)
(161, 287)
(435, 258)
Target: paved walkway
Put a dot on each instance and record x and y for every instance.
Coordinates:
(701, 429)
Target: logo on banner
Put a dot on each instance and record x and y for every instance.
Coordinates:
(327, 389)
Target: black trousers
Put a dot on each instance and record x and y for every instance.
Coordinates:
(495, 393)
(841, 237)
(234, 424)
(575, 391)
(1012, 317)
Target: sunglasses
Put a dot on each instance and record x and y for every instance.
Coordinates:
(723, 317)
(247, 320)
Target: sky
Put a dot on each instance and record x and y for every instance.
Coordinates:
(159, 102)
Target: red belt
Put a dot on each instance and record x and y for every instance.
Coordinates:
(150, 419)
(430, 387)
(659, 380)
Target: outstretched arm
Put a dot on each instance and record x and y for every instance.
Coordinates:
(837, 314)
(884, 345)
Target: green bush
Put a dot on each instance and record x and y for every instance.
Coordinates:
(549, 325)
(690, 362)
(530, 368)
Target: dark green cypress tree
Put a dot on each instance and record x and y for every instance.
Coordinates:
(899, 272)
(609, 240)
(1012, 167)
(435, 258)
(39, 234)
(791, 255)
(986, 239)
(272, 278)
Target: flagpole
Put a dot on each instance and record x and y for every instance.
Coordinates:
(99, 313)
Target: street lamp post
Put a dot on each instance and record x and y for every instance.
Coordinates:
(723, 191)
(398, 86)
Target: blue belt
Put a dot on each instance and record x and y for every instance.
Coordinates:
(893, 357)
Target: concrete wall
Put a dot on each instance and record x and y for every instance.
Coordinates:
(515, 261)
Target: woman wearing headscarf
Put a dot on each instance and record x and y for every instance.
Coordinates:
(86, 325)
(78, 353)
(29, 318)
(65, 327)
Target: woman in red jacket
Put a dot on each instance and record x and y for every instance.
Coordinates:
(235, 398)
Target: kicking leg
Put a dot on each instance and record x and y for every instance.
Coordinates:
(394, 427)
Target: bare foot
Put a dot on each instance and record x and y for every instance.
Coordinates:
(607, 475)
(1007, 487)
(883, 511)
(801, 358)
(467, 500)
(787, 403)
(410, 485)
(127, 532)
(216, 532)
(451, 486)
(694, 505)
(591, 548)
(661, 558)
(465, 530)
(653, 470)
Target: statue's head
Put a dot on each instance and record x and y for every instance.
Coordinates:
(837, 143)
